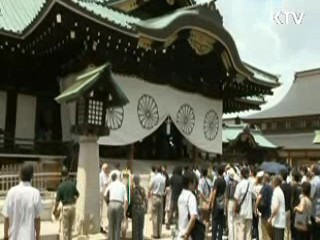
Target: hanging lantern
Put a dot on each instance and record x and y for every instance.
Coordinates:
(59, 18)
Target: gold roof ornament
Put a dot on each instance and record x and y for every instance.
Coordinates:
(145, 43)
(201, 43)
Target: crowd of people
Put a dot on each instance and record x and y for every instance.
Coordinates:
(238, 201)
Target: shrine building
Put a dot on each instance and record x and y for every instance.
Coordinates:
(293, 123)
(173, 59)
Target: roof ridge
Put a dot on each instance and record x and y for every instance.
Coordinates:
(306, 73)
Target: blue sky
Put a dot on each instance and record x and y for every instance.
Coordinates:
(279, 49)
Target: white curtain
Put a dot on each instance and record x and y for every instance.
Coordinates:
(198, 118)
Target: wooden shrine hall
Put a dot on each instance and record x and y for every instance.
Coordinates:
(180, 45)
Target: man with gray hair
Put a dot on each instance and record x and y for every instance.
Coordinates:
(116, 197)
(22, 208)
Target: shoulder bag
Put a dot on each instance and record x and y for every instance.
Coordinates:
(238, 205)
(198, 231)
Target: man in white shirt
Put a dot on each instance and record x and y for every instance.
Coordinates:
(157, 189)
(22, 208)
(116, 196)
(243, 196)
(103, 180)
(278, 210)
(187, 206)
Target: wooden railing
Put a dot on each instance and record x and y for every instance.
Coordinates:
(34, 146)
(44, 181)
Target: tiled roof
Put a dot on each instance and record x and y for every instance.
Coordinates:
(301, 100)
(17, 15)
(231, 132)
(294, 141)
(104, 12)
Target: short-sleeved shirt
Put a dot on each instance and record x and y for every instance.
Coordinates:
(158, 184)
(246, 207)
(187, 206)
(266, 196)
(67, 192)
(117, 192)
(22, 206)
(279, 221)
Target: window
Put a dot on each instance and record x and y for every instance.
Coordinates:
(303, 124)
(288, 124)
(263, 126)
(315, 122)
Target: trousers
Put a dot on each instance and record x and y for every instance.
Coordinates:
(157, 215)
(68, 217)
(115, 216)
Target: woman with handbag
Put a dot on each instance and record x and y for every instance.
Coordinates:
(303, 214)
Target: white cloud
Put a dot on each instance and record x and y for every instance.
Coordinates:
(279, 49)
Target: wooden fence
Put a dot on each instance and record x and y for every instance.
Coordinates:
(44, 181)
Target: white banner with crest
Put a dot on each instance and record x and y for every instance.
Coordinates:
(198, 118)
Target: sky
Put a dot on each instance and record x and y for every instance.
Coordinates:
(278, 49)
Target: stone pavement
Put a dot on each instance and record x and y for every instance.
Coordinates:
(50, 230)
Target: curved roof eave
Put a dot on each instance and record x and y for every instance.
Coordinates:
(73, 6)
(262, 77)
(198, 18)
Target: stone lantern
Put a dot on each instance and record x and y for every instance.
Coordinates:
(93, 90)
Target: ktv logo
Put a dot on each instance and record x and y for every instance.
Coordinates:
(288, 17)
(282, 13)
